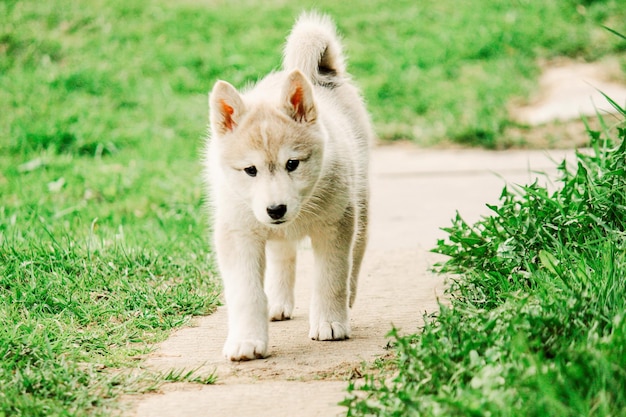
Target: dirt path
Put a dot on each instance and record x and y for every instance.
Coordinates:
(414, 192)
(567, 90)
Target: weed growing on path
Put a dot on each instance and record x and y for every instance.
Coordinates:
(536, 323)
(192, 376)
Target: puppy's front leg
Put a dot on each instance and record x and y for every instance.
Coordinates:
(332, 247)
(241, 259)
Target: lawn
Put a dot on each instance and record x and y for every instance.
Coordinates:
(104, 245)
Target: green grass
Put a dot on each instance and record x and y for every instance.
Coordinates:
(70, 316)
(536, 323)
(429, 71)
(103, 238)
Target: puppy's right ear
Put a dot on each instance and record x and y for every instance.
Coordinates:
(226, 107)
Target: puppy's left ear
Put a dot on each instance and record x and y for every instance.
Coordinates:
(298, 98)
(226, 107)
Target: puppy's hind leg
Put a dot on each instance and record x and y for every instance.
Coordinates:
(280, 278)
(358, 250)
(332, 246)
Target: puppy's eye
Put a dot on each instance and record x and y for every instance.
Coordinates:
(251, 171)
(292, 164)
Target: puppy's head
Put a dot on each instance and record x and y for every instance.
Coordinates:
(270, 151)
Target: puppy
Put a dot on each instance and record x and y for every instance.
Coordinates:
(287, 159)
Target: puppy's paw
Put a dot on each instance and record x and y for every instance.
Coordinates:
(281, 311)
(245, 350)
(334, 330)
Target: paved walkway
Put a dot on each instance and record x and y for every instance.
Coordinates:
(414, 193)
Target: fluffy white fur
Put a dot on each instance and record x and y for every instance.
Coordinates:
(286, 159)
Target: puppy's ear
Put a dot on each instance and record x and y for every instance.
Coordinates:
(298, 98)
(226, 107)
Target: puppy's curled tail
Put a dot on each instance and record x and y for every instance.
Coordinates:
(313, 47)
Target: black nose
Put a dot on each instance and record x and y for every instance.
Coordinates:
(276, 212)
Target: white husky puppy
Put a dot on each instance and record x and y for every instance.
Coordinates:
(287, 159)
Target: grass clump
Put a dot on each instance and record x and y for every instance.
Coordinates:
(536, 323)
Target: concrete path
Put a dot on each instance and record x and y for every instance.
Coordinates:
(414, 193)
